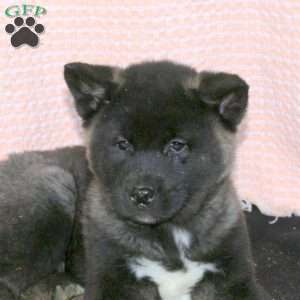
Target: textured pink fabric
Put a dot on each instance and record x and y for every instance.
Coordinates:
(260, 40)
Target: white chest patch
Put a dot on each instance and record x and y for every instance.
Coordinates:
(173, 284)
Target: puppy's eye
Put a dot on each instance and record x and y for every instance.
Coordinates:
(124, 145)
(177, 146)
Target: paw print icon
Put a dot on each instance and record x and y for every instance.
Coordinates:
(24, 32)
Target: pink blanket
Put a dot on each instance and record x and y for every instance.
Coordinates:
(260, 40)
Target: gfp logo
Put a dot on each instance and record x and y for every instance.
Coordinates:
(25, 29)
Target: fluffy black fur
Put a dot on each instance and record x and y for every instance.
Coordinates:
(166, 131)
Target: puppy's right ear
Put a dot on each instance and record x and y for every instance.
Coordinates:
(91, 86)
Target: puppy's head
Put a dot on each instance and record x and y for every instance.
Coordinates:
(160, 135)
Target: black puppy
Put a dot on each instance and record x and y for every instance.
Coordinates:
(162, 220)
(40, 200)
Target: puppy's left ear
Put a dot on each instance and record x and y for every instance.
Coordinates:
(228, 93)
(91, 86)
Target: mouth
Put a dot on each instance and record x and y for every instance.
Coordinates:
(148, 216)
(143, 220)
(148, 220)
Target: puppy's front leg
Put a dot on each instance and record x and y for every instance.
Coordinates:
(117, 283)
(218, 290)
(108, 276)
(247, 290)
(99, 283)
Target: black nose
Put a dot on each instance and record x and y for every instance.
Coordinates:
(142, 196)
